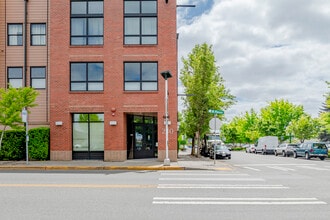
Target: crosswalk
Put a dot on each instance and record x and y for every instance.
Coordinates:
(225, 184)
(283, 167)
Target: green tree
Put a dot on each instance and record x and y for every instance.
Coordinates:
(275, 117)
(12, 101)
(325, 117)
(304, 128)
(205, 89)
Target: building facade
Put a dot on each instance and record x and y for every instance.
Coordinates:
(97, 67)
(24, 51)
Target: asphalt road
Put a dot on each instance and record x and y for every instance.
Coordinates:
(255, 187)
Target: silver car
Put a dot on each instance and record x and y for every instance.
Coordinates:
(285, 149)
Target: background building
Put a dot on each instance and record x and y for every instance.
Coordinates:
(96, 65)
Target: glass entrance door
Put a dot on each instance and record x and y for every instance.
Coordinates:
(144, 144)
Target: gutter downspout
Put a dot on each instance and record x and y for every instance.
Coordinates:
(25, 42)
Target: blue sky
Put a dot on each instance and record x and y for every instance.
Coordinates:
(265, 50)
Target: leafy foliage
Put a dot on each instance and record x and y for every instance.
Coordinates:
(204, 87)
(304, 128)
(39, 143)
(12, 101)
(13, 145)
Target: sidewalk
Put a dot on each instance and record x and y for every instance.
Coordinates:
(185, 162)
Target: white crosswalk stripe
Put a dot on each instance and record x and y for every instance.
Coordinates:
(219, 186)
(236, 201)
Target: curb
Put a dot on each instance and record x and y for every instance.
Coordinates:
(91, 168)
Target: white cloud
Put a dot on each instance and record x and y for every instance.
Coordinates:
(265, 49)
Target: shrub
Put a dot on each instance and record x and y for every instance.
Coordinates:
(13, 145)
(39, 143)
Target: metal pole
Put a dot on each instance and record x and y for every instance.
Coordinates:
(27, 141)
(167, 160)
(215, 127)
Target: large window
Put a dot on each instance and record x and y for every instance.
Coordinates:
(38, 77)
(86, 22)
(140, 21)
(15, 76)
(15, 34)
(86, 76)
(88, 132)
(38, 34)
(140, 76)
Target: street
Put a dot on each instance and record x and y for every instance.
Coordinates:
(254, 187)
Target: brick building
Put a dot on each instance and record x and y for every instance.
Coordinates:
(97, 65)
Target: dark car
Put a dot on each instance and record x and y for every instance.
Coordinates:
(221, 151)
(313, 149)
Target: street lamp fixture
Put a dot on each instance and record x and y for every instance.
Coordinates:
(166, 75)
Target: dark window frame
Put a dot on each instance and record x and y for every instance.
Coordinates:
(140, 16)
(86, 81)
(86, 16)
(141, 81)
(39, 34)
(9, 78)
(32, 78)
(12, 35)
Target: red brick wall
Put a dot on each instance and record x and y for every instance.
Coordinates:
(113, 53)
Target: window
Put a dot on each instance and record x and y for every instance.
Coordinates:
(140, 22)
(15, 76)
(15, 34)
(86, 76)
(141, 76)
(86, 22)
(38, 77)
(38, 34)
(88, 132)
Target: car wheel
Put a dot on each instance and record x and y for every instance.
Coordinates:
(294, 154)
(307, 156)
(229, 158)
(283, 154)
(275, 153)
(322, 158)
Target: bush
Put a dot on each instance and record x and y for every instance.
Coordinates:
(39, 143)
(13, 145)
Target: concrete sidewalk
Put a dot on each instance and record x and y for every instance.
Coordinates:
(185, 162)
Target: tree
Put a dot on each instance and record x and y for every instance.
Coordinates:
(12, 101)
(205, 89)
(304, 128)
(275, 117)
(325, 118)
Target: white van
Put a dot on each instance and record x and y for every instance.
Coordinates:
(266, 145)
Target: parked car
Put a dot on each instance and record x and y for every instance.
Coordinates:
(291, 149)
(266, 145)
(313, 149)
(221, 151)
(284, 149)
(250, 148)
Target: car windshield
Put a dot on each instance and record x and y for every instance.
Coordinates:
(220, 147)
(319, 146)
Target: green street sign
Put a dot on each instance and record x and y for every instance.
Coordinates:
(217, 112)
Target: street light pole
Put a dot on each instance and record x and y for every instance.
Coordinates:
(166, 75)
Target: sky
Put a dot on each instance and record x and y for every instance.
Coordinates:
(265, 49)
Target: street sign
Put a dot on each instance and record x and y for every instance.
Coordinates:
(215, 124)
(217, 112)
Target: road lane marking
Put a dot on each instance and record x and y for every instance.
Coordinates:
(79, 185)
(235, 201)
(313, 168)
(250, 168)
(275, 164)
(219, 186)
(204, 174)
(281, 168)
(211, 179)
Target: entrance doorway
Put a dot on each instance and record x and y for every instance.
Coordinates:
(142, 137)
